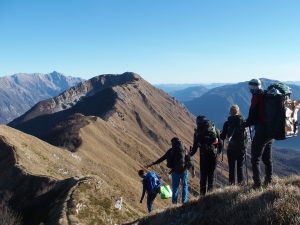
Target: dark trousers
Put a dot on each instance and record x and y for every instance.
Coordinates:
(236, 158)
(208, 162)
(150, 199)
(261, 148)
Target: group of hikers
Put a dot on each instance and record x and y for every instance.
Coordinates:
(210, 141)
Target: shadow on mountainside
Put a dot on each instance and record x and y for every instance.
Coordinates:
(35, 199)
(66, 133)
(62, 128)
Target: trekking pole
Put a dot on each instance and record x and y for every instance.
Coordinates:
(250, 134)
(216, 172)
(222, 157)
(222, 150)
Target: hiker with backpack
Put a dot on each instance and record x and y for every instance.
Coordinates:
(177, 161)
(151, 185)
(235, 131)
(207, 138)
(261, 146)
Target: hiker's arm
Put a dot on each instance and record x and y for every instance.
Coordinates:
(224, 131)
(194, 150)
(195, 145)
(252, 116)
(144, 191)
(161, 159)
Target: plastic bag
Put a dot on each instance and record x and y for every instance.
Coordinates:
(165, 192)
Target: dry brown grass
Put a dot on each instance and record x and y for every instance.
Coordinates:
(7, 216)
(278, 204)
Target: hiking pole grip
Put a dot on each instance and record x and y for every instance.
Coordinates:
(250, 132)
(222, 150)
(246, 164)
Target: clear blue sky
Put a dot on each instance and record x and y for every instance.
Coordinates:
(175, 41)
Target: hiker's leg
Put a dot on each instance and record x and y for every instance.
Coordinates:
(256, 152)
(211, 171)
(150, 200)
(203, 174)
(267, 160)
(175, 186)
(185, 178)
(231, 165)
(239, 167)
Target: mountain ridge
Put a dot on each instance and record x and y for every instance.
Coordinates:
(108, 100)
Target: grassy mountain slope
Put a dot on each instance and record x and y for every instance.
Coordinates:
(46, 184)
(277, 204)
(108, 134)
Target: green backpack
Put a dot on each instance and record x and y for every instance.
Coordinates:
(165, 192)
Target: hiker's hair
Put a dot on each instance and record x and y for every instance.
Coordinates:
(141, 172)
(234, 110)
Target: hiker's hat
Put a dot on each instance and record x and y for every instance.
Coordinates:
(175, 140)
(201, 119)
(141, 172)
(254, 85)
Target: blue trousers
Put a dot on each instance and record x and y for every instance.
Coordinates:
(176, 178)
(150, 200)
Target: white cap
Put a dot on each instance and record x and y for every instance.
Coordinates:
(255, 82)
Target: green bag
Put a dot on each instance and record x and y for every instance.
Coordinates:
(165, 192)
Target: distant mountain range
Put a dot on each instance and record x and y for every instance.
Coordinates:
(189, 93)
(18, 93)
(178, 87)
(293, 82)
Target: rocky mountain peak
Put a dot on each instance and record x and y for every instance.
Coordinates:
(125, 101)
(19, 92)
(110, 80)
(81, 91)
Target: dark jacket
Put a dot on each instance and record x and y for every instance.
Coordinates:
(176, 158)
(234, 130)
(163, 158)
(207, 140)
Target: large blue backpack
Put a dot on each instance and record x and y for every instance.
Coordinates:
(152, 182)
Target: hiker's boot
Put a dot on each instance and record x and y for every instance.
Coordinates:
(256, 186)
(267, 182)
(241, 183)
(202, 191)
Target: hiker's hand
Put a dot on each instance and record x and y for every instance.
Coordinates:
(245, 125)
(147, 166)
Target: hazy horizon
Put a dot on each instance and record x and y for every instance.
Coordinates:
(168, 83)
